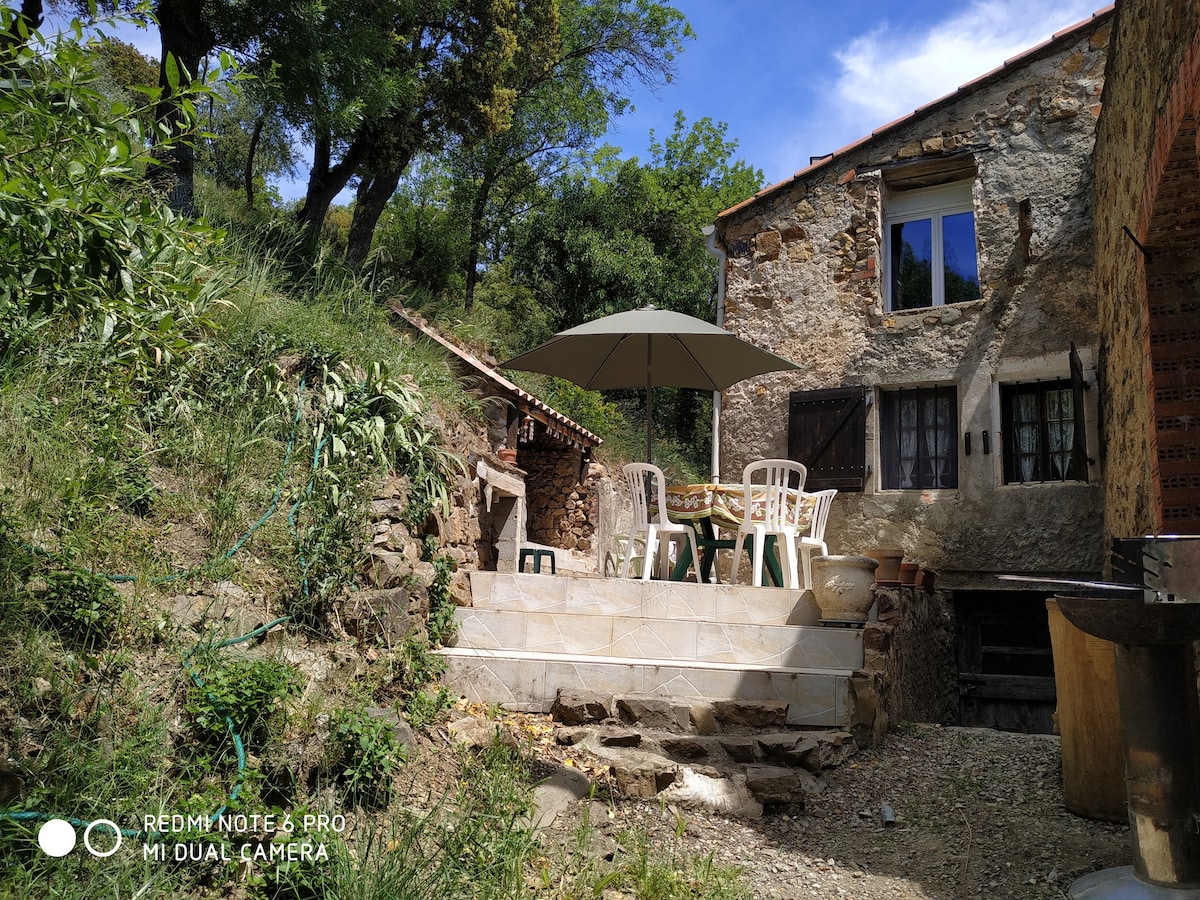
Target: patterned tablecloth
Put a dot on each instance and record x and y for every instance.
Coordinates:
(722, 504)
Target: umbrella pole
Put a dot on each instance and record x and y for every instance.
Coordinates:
(649, 402)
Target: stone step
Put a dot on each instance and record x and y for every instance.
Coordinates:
(596, 596)
(530, 681)
(793, 646)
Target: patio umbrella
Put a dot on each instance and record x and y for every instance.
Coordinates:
(652, 348)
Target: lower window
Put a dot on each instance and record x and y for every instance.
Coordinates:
(918, 446)
(1043, 433)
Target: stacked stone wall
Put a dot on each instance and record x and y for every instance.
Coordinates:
(561, 497)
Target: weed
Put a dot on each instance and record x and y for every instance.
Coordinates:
(369, 755)
(421, 707)
(238, 695)
(81, 607)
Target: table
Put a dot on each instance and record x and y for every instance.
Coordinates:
(709, 506)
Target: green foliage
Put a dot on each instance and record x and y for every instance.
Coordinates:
(368, 756)
(81, 246)
(421, 707)
(81, 607)
(241, 695)
(369, 420)
(440, 624)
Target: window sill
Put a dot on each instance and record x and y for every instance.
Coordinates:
(1027, 485)
(931, 315)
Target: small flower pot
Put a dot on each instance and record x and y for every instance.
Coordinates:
(925, 579)
(908, 573)
(507, 455)
(842, 587)
(889, 564)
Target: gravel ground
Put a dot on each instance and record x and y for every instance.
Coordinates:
(979, 814)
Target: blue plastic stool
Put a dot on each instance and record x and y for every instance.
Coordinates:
(537, 560)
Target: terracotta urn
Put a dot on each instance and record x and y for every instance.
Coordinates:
(842, 586)
(889, 564)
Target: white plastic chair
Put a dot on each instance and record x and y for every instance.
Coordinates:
(614, 559)
(781, 515)
(656, 530)
(813, 543)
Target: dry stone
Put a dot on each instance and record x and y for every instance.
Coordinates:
(620, 738)
(578, 709)
(775, 784)
(749, 713)
(653, 712)
(727, 796)
(641, 777)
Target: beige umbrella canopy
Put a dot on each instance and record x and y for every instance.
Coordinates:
(649, 348)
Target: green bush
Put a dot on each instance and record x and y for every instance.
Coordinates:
(84, 248)
(242, 695)
(368, 755)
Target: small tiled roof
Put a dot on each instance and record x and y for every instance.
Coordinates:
(556, 423)
(975, 84)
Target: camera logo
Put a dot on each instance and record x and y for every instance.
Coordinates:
(57, 838)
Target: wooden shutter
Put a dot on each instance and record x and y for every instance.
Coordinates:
(1079, 454)
(827, 432)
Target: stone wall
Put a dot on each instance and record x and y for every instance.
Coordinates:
(913, 648)
(804, 280)
(1152, 85)
(560, 495)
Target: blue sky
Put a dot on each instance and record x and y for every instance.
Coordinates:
(798, 78)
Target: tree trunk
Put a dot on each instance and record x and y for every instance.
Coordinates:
(373, 195)
(325, 182)
(31, 15)
(475, 238)
(186, 37)
(253, 149)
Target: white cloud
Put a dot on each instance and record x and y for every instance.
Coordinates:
(895, 68)
(891, 70)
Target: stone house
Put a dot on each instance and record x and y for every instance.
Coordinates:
(531, 481)
(937, 281)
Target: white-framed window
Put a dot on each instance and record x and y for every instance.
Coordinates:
(929, 236)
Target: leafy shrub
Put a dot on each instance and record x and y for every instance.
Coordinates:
(241, 695)
(368, 755)
(83, 247)
(81, 607)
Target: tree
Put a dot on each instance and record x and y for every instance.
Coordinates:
(627, 235)
(462, 69)
(567, 89)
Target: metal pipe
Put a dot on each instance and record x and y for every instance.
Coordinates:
(710, 244)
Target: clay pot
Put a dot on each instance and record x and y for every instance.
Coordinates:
(889, 564)
(842, 586)
(925, 579)
(908, 573)
(507, 455)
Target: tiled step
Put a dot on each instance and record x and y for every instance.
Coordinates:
(646, 599)
(665, 639)
(526, 680)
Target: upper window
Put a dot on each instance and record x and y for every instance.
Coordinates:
(1043, 432)
(930, 236)
(918, 431)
